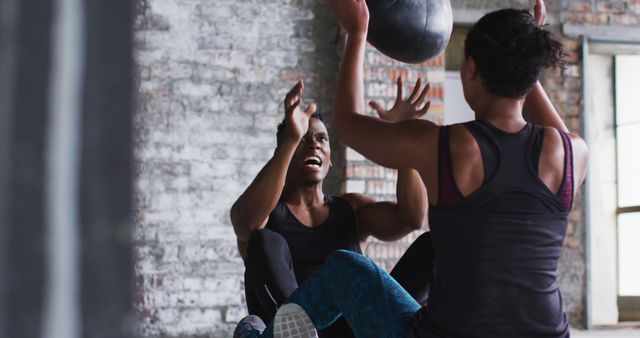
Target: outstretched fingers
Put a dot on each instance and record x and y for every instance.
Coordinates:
(424, 109)
(293, 96)
(377, 107)
(399, 90)
(423, 96)
(292, 107)
(311, 108)
(416, 90)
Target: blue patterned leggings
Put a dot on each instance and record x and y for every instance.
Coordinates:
(349, 284)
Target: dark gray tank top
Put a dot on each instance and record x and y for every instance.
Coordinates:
(310, 246)
(497, 250)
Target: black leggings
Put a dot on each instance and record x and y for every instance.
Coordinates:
(270, 277)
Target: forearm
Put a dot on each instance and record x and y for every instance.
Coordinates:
(349, 98)
(253, 207)
(541, 110)
(412, 198)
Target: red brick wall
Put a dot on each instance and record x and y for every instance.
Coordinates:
(608, 12)
(362, 175)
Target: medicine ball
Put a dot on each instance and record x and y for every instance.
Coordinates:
(410, 31)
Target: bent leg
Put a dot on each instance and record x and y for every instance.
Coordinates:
(372, 302)
(269, 274)
(414, 270)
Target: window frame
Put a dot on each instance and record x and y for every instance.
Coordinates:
(628, 307)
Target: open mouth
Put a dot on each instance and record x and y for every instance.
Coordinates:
(312, 161)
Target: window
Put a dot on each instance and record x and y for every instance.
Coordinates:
(612, 130)
(627, 125)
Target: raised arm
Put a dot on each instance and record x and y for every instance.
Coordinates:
(251, 211)
(396, 145)
(537, 104)
(542, 112)
(393, 220)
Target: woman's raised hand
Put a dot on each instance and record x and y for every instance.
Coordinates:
(412, 107)
(353, 15)
(540, 13)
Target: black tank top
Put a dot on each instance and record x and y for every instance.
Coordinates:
(497, 249)
(310, 246)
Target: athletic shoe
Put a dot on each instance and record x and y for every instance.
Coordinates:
(292, 321)
(249, 327)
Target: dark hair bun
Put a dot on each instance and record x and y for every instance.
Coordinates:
(510, 51)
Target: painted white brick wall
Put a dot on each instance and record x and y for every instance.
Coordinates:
(212, 78)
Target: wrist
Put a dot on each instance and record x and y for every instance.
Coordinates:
(357, 35)
(289, 142)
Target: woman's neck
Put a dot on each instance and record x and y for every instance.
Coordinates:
(503, 113)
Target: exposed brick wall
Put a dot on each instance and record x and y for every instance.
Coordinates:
(211, 79)
(364, 176)
(213, 75)
(564, 87)
(603, 12)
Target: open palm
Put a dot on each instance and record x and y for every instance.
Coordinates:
(411, 108)
(297, 121)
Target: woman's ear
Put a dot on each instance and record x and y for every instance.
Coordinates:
(468, 70)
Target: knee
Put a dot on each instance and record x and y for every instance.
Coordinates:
(347, 259)
(263, 240)
(424, 241)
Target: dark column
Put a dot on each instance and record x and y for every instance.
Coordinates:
(8, 11)
(24, 292)
(104, 265)
(106, 170)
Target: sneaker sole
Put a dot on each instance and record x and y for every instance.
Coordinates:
(292, 321)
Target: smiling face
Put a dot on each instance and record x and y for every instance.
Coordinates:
(312, 159)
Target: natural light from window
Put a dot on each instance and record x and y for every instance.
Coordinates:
(628, 160)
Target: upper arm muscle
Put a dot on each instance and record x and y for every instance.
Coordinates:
(378, 219)
(395, 145)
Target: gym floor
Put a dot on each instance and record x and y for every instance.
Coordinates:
(633, 332)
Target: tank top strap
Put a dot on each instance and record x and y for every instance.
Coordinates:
(448, 192)
(566, 187)
(278, 214)
(534, 147)
(489, 148)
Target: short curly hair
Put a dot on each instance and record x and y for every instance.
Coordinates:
(510, 50)
(283, 125)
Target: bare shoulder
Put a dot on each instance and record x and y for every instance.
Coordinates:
(427, 130)
(461, 139)
(553, 144)
(578, 144)
(580, 157)
(553, 140)
(358, 201)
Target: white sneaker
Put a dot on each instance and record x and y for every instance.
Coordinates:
(292, 321)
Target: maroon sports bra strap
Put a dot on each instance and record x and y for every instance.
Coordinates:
(448, 193)
(566, 188)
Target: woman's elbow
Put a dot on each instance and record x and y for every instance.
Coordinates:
(418, 221)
